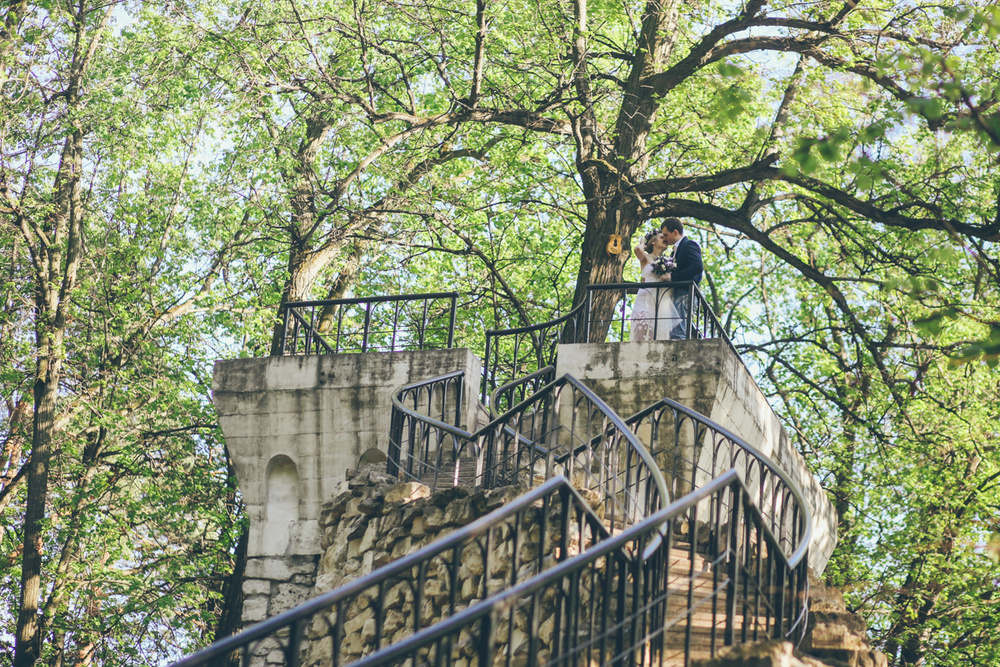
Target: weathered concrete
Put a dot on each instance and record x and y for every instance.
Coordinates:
(295, 425)
(707, 376)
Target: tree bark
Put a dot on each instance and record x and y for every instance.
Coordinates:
(53, 289)
(609, 173)
(56, 247)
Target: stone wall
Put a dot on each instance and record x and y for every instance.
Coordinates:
(273, 585)
(375, 521)
(378, 522)
(295, 425)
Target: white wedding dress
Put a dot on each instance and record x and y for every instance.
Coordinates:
(654, 313)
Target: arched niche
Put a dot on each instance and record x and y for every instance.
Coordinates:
(373, 455)
(282, 490)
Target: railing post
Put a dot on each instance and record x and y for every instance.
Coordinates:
(778, 583)
(486, 368)
(293, 656)
(451, 323)
(485, 647)
(368, 326)
(284, 330)
(734, 567)
(587, 314)
(460, 390)
(395, 434)
(423, 325)
(690, 312)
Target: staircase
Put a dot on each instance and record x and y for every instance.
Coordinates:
(638, 560)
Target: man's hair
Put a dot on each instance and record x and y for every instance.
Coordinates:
(673, 225)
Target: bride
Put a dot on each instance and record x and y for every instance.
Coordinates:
(653, 314)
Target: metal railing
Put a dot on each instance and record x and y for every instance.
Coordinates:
(742, 529)
(561, 429)
(701, 321)
(514, 353)
(539, 528)
(370, 324)
(686, 599)
(692, 450)
(689, 449)
(719, 578)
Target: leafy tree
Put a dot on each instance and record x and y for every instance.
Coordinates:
(118, 509)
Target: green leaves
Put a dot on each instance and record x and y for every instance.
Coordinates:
(986, 350)
(808, 151)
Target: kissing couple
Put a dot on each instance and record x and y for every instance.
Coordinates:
(663, 313)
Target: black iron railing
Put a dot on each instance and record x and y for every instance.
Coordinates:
(700, 322)
(562, 429)
(692, 450)
(688, 448)
(370, 324)
(540, 528)
(514, 353)
(507, 396)
(725, 564)
(686, 598)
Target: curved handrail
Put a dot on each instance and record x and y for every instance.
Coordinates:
(800, 540)
(454, 542)
(504, 449)
(568, 326)
(526, 441)
(520, 387)
(704, 323)
(562, 590)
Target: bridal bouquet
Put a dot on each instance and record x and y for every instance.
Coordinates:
(664, 264)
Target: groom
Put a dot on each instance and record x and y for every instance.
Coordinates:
(687, 255)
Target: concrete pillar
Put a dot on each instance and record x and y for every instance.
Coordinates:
(707, 376)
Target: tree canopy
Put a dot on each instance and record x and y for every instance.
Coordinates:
(171, 174)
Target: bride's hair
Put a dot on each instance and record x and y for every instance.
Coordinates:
(647, 243)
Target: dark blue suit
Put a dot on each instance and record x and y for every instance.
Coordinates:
(687, 254)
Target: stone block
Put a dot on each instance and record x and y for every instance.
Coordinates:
(396, 596)
(254, 609)
(394, 620)
(370, 537)
(406, 492)
(275, 569)
(239, 375)
(287, 596)
(253, 587)
(417, 529)
(401, 548)
(328, 581)
(434, 519)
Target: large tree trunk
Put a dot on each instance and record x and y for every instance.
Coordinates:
(607, 180)
(303, 266)
(56, 245)
(599, 267)
(55, 280)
